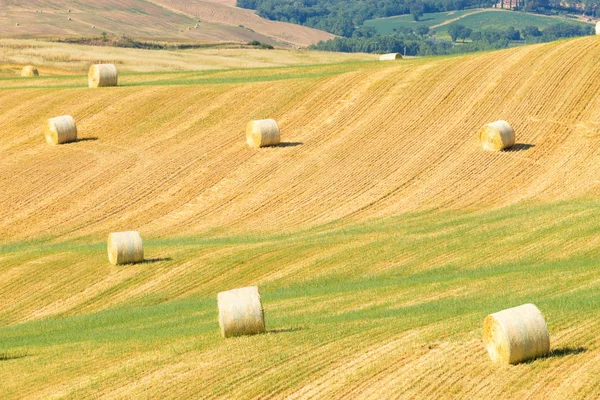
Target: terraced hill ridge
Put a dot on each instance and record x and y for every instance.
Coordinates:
(379, 233)
(206, 20)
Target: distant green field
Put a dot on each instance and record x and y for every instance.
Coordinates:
(501, 20)
(386, 26)
(478, 20)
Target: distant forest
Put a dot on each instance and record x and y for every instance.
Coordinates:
(345, 18)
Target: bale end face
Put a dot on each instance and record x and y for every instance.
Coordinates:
(103, 75)
(125, 248)
(29, 71)
(60, 130)
(241, 312)
(597, 28)
(263, 133)
(496, 136)
(515, 335)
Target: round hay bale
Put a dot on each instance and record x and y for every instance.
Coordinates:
(496, 136)
(597, 28)
(390, 57)
(241, 312)
(60, 130)
(262, 133)
(516, 334)
(102, 75)
(30, 71)
(125, 248)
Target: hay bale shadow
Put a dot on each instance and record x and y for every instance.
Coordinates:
(285, 330)
(519, 147)
(87, 139)
(567, 351)
(290, 144)
(155, 260)
(8, 356)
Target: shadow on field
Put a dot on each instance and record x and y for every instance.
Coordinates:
(289, 144)
(8, 356)
(86, 139)
(156, 260)
(285, 330)
(519, 147)
(567, 351)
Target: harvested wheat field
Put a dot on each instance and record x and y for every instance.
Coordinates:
(150, 19)
(379, 233)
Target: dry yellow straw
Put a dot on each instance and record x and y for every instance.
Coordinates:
(102, 75)
(262, 133)
(497, 136)
(125, 248)
(29, 71)
(241, 312)
(60, 130)
(516, 334)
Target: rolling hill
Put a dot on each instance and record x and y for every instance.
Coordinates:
(379, 232)
(148, 19)
(478, 19)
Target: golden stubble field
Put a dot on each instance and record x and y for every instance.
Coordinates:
(379, 232)
(167, 151)
(172, 20)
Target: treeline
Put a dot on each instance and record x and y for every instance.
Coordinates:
(423, 43)
(343, 17)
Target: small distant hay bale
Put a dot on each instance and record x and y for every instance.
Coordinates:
(103, 75)
(196, 27)
(390, 57)
(263, 133)
(70, 19)
(516, 334)
(60, 130)
(597, 28)
(30, 71)
(125, 248)
(496, 136)
(16, 24)
(241, 312)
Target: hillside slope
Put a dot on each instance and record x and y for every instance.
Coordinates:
(360, 141)
(225, 12)
(379, 233)
(147, 19)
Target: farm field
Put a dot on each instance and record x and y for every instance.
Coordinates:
(54, 58)
(475, 19)
(379, 233)
(149, 19)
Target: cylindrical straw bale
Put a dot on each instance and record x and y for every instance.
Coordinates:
(597, 28)
(102, 75)
(390, 57)
(262, 133)
(496, 136)
(125, 248)
(60, 130)
(29, 71)
(241, 312)
(516, 334)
